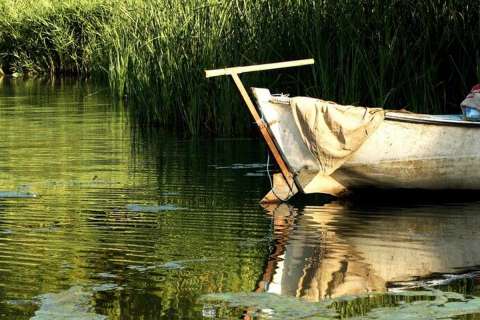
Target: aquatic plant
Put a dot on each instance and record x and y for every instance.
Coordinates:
(422, 55)
(428, 305)
(74, 303)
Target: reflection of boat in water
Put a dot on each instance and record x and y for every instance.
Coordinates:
(332, 251)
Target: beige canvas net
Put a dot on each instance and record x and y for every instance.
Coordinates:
(332, 132)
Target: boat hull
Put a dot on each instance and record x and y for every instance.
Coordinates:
(415, 156)
(407, 151)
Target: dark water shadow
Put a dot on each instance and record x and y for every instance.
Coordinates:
(393, 197)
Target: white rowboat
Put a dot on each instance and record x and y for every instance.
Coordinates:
(406, 151)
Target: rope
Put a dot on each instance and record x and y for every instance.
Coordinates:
(290, 192)
(290, 188)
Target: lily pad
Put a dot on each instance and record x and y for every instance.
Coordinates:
(428, 304)
(171, 265)
(17, 194)
(106, 287)
(74, 303)
(151, 208)
(281, 307)
(107, 275)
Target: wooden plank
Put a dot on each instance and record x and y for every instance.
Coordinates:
(258, 67)
(265, 133)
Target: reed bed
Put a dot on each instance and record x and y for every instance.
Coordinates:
(419, 55)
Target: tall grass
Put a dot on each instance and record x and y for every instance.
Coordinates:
(422, 55)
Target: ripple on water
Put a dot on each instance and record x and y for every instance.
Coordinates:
(94, 172)
(151, 222)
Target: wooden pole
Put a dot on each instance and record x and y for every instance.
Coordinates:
(234, 72)
(264, 131)
(258, 67)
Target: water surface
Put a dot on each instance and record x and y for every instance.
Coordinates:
(101, 220)
(140, 228)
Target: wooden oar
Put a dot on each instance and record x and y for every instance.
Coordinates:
(234, 72)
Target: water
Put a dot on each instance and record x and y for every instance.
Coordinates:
(100, 220)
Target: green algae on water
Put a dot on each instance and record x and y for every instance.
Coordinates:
(74, 303)
(151, 208)
(421, 305)
(17, 194)
(170, 265)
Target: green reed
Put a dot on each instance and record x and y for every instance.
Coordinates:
(422, 55)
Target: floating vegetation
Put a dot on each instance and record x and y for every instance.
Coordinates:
(151, 208)
(275, 306)
(420, 305)
(446, 281)
(17, 194)
(171, 265)
(241, 166)
(106, 287)
(74, 303)
(94, 182)
(106, 275)
(256, 174)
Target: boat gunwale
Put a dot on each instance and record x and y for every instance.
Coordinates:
(394, 115)
(439, 122)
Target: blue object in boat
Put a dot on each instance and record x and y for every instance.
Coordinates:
(471, 114)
